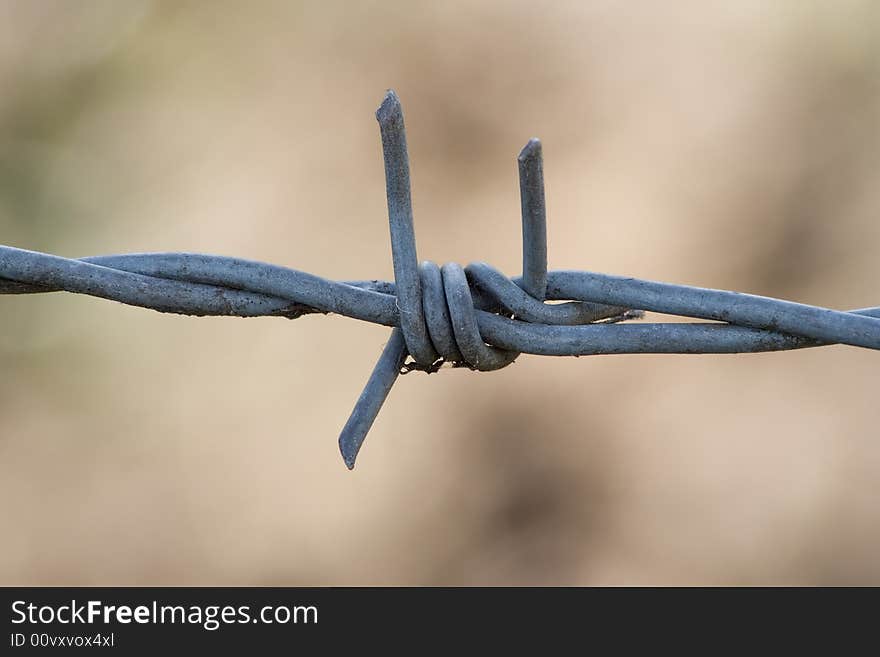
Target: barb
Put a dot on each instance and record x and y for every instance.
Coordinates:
(534, 219)
(474, 317)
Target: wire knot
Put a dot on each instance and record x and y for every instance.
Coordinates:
(450, 299)
(452, 335)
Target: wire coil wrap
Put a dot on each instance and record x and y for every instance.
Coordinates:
(473, 317)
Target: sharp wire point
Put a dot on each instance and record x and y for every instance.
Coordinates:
(368, 405)
(389, 108)
(532, 148)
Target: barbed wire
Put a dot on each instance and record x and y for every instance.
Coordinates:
(474, 317)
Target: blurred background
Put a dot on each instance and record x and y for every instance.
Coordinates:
(731, 145)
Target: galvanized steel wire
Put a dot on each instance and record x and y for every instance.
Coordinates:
(473, 317)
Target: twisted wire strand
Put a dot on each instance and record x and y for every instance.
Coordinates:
(472, 317)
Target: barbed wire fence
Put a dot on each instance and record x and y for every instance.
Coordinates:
(474, 317)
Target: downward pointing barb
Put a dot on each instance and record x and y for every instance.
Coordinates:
(370, 402)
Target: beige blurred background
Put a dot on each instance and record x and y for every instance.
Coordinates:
(732, 145)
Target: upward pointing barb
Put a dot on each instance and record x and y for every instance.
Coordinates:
(403, 235)
(534, 219)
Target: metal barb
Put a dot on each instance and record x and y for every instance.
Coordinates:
(474, 317)
(403, 236)
(370, 402)
(534, 219)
